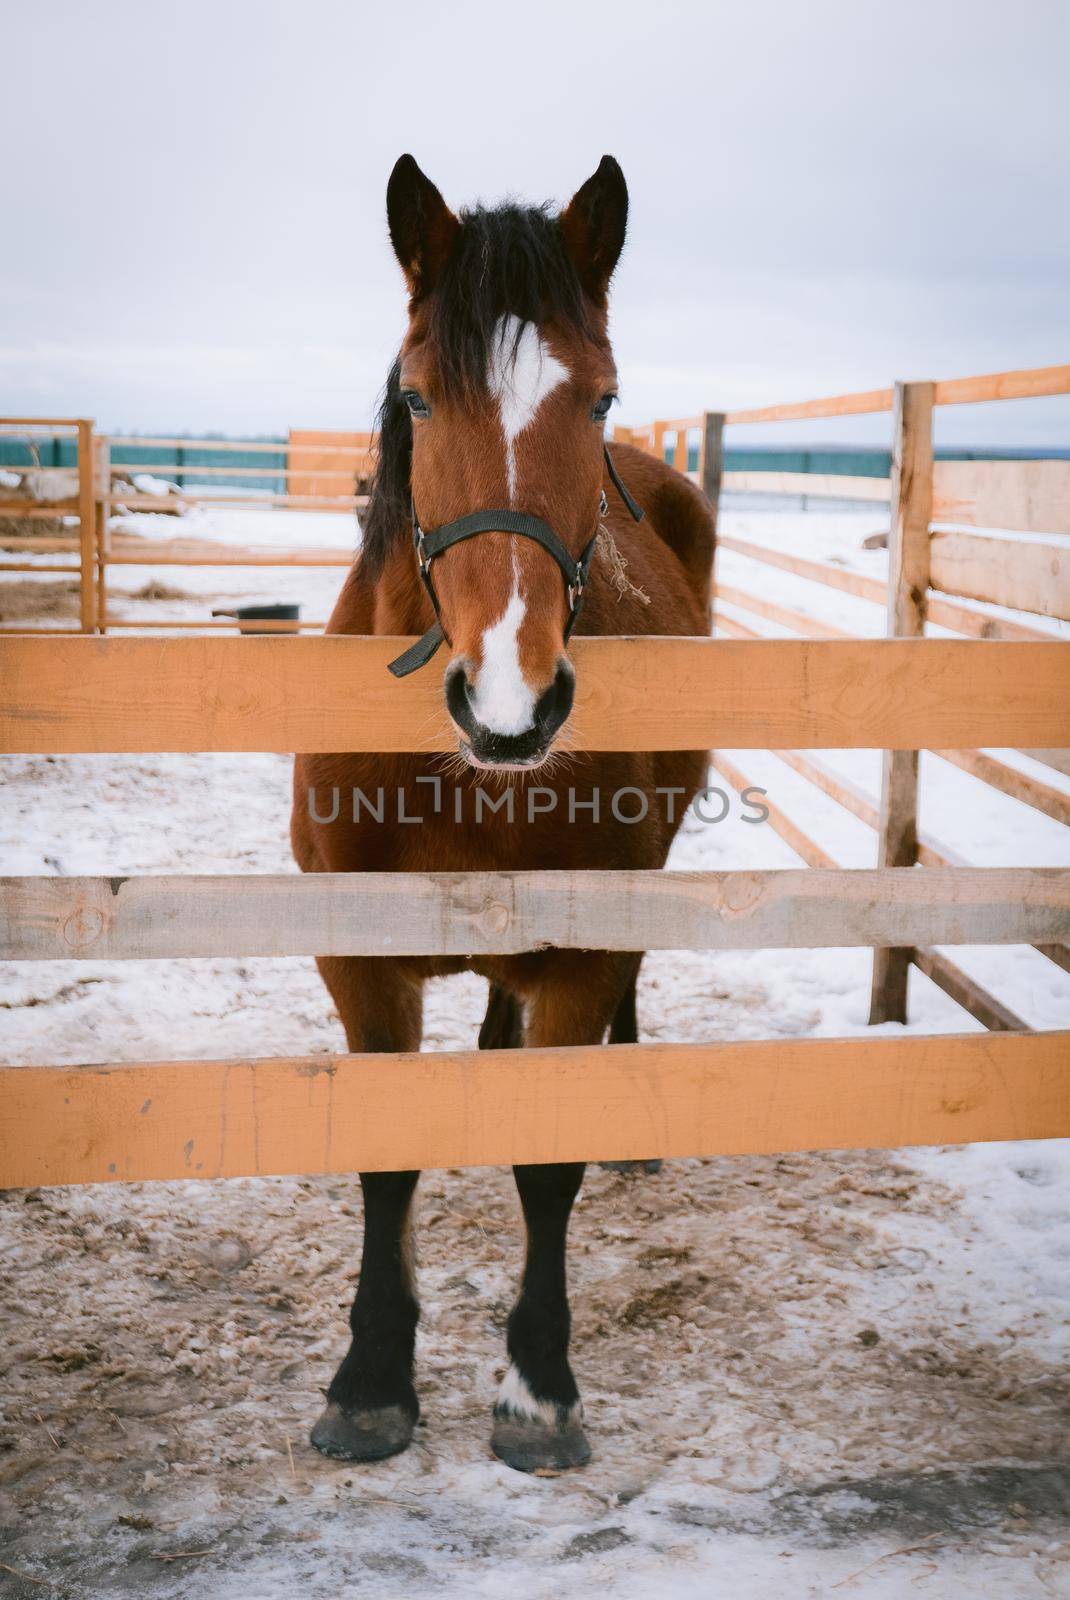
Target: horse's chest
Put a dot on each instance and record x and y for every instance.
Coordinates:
(602, 814)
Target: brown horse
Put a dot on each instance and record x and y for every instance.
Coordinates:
(498, 399)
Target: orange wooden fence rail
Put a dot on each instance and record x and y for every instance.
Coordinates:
(82, 695)
(226, 1119)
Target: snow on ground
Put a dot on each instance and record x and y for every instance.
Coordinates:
(816, 1372)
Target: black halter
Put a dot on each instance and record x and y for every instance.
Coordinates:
(430, 544)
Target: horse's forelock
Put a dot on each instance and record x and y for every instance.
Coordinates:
(509, 262)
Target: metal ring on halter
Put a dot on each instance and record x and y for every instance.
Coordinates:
(577, 586)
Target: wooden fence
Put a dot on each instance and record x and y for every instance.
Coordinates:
(320, 475)
(83, 505)
(929, 570)
(142, 1120)
(1008, 684)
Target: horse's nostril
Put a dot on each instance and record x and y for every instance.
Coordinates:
(458, 696)
(555, 703)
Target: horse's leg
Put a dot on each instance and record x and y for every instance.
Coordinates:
(538, 1417)
(371, 1404)
(503, 1025)
(624, 1029)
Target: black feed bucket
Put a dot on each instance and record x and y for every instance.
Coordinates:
(277, 613)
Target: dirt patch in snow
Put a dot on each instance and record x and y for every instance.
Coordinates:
(32, 601)
(155, 590)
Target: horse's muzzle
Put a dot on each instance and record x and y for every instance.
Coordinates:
(509, 751)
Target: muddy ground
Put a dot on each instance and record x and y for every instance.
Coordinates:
(768, 1349)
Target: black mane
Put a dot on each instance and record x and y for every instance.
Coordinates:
(389, 507)
(509, 260)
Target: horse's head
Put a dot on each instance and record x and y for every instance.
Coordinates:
(500, 392)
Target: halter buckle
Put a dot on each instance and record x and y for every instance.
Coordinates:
(576, 587)
(421, 558)
(603, 504)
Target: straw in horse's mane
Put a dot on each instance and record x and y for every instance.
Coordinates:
(506, 261)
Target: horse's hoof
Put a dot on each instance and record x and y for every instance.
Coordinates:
(631, 1166)
(530, 1445)
(370, 1435)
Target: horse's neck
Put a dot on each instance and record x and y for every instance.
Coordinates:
(395, 603)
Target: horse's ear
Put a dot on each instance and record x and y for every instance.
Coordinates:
(422, 226)
(594, 223)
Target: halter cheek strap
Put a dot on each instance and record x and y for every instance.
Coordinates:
(430, 544)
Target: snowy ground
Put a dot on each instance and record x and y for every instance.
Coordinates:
(816, 1372)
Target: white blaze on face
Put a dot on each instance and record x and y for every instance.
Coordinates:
(501, 699)
(522, 373)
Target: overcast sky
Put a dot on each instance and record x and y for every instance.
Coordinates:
(825, 195)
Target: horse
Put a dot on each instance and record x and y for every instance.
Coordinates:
(499, 520)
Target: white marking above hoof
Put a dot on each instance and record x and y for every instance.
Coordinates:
(516, 1397)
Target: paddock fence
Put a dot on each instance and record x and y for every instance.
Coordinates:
(132, 1121)
(309, 471)
(935, 562)
(1006, 684)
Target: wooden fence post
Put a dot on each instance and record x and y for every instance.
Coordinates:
(87, 525)
(103, 536)
(711, 456)
(710, 471)
(908, 587)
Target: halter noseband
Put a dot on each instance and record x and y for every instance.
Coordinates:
(431, 543)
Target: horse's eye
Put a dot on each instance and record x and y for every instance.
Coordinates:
(416, 403)
(601, 410)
